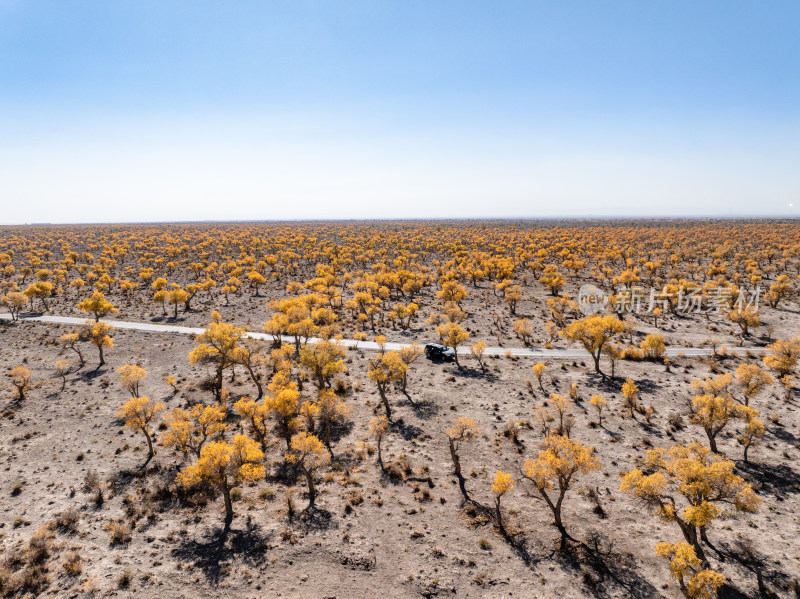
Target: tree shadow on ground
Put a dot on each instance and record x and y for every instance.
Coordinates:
(611, 568)
(407, 431)
(473, 373)
(340, 430)
(752, 563)
(648, 386)
(775, 480)
(480, 515)
(781, 433)
(90, 375)
(314, 520)
(606, 384)
(120, 481)
(423, 409)
(212, 554)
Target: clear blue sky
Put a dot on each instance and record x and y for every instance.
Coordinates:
(142, 110)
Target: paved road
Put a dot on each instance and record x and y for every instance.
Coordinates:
(533, 352)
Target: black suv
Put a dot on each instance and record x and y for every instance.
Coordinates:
(435, 351)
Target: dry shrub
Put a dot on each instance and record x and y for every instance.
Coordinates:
(73, 563)
(676, 421)
(40, 547)
(340, 385)
(120, 533)
(125, 579)
(67, 521)
(632, 353)
(511, 431)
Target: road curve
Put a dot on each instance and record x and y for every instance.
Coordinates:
(528, 352)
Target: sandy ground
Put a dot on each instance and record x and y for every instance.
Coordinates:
(378, 536)
(70, 472)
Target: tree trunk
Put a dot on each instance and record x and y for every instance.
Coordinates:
(462, 483)
(256, 382)
(226, 495)
(712, 441)
(80, 356)
(150, 451)
(690, 534)
(596, 358)
(102, 360)
(327, 439)
(499, 516)
(380, 457)
(385, 401)
(312, 492)
(218, 384)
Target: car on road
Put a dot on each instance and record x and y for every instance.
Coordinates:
(436, 351)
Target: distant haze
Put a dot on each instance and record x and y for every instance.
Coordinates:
(154, 111)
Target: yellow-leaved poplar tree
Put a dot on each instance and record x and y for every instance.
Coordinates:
(702, 583)
(98, 334)
(452, 335)
(554, 472)
(217, 347)
(189, 429)
(21, 380)
(378, 427)
(70, 341)
(783, 356)
(309, 455)
(461, 430)
(384, 370)
(686, 484)
(130, 375)
(222, 465)
(538, 372)
(593, 332)
(502, 484)
(98, 305)
(752, 380)
(284, 407)
(713, 407)
(324, 359)
(138, 413)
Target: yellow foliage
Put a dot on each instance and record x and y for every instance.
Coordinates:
(784, 356)
(324, 359)
(21, 379)
(220, 461)
(653, 347)
(559, 462)
(463, 428)
(752, 380)
(692, 474)
(139, 412)
(503, 483)
(130, 375)
(98, 305)
(189, 429)
(593, 332)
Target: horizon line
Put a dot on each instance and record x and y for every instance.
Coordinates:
(483, 219)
